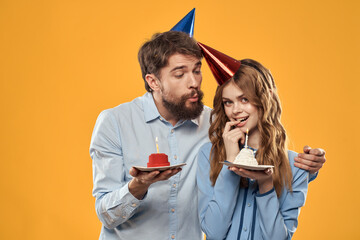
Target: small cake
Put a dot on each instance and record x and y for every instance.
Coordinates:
(158, 160)
(246, 157)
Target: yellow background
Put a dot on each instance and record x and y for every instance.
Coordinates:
(63, 61)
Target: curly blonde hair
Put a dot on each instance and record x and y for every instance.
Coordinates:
(259, 87)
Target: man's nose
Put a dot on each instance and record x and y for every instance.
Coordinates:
(194, 81)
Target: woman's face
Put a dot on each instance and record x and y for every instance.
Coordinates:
(238, 108)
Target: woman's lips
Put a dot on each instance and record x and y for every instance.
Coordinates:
(242, 123)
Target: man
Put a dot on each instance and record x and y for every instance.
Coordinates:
(156, 205)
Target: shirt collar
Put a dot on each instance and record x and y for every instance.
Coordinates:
(151, 112)
(196, 120)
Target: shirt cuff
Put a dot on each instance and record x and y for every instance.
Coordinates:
(265, 194)
(119, 207)
(312, 176)
(124, 198)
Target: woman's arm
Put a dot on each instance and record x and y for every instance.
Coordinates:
(216, 203)
(278, 217)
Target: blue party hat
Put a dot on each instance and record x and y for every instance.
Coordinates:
(186, 24)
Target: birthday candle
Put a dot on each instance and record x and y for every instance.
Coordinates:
(246, 138)
(157, 145)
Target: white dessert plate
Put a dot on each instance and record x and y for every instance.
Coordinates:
(248, 167)
(149, 169)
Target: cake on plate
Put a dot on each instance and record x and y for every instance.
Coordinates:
(158, 160)
(246, 157)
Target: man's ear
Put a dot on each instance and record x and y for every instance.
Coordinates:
(153, 82)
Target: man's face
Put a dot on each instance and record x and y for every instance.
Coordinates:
(180, 84)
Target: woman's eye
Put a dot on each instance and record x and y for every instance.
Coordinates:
(197, 72)
(244, 100)
(226, 103)
(179, 75)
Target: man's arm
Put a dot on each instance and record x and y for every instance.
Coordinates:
(311, 160)
(117, 197)
(114, 203)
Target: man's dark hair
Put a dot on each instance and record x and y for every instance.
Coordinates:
(154, 54)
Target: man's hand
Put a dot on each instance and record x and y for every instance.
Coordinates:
(311, 160)
(139, 185)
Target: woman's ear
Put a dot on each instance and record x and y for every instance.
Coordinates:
(153, 82)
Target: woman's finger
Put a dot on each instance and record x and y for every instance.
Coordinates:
(229, 124)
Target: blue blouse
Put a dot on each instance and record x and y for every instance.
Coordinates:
(227, 211)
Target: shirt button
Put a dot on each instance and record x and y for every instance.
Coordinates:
(249, 204)
(123, 217)
(161, 119)
(175, 157)
(172, 236)
(174, 185)
(245, 229)
(172, 130)
(173, 210)
(134, 205)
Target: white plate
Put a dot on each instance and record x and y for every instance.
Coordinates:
(149, 169)
(248, 167)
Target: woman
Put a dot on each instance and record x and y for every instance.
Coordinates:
(236, 203)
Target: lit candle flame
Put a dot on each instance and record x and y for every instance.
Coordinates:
(157, 145)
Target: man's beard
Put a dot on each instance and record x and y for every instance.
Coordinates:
(179, 109)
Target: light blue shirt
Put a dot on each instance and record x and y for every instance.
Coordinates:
(227, 211)
(123, 137)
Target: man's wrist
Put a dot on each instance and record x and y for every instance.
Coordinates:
(137, 188)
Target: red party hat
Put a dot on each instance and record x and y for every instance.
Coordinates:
(222, 66)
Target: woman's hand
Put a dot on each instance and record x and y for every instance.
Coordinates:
(231, 137)
(264, 178)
